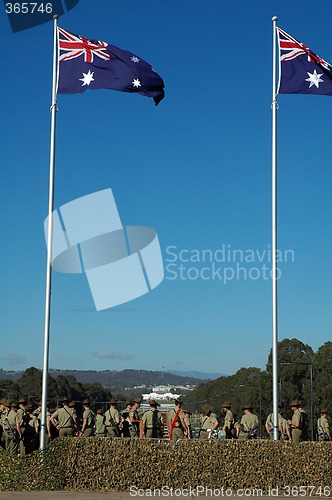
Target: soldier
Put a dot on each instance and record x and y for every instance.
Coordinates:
(134, 419)
(23, 419)
(188, 432)
(323, 427)
(296, 423)
(100, 427)
(228, 427)
(269, 424)
(175, 422)
(30, 437)
(65, 420)
(208, 422)
(11, 428)
(249, 424)
(112, 420)
(88, 420)
(125, 418)
(152, 422)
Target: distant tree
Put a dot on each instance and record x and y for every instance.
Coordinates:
(322, 366)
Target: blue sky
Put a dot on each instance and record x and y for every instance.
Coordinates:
(197, 169)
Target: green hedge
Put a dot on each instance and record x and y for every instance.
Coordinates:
(92, 464)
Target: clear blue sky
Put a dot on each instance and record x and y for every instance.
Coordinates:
(197, 169)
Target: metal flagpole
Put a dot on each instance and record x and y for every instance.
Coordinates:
(49, 241)
(274, 236)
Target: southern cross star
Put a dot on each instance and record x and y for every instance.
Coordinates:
(135, 59)
(87, 78)
(136, 83)
(314, 79)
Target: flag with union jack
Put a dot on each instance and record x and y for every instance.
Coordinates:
(90, 64)
(301, 71)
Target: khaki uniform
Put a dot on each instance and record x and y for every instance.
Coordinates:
(296, 432)
(153, 423)
(207, 423)
(89, 416)
(248, 421)
(23, 419)
(65, 419)
(228, 424)
(269, 424)
(178, 430)
(134, 427)
(111, 417)
(100, 427)
(322, 426)
(9, 424)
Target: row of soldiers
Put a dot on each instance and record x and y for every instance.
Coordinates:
(20, 423)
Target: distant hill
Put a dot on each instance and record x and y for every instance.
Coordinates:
(198, 375)
(116, 379)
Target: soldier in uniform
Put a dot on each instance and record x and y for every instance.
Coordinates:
(30, 437)
(249, 423)
(134, 419)
(112, 420)
(295, 423)
(88, 420)
(152, 422)
(188, 432)
(23, 419)
(65, 420)
(125, 418)
(323, 426)
(100, 427)
(208, 422)
(269, 424)
(175, 422)
(11, 428)
(228, 425)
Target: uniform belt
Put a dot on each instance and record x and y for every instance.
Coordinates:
(67, 427)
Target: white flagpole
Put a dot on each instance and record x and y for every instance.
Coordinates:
(274, 237)
(49, 241)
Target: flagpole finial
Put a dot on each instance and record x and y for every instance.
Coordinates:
(56, 16)
(274, 19)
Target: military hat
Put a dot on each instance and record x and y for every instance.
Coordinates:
(324, 410)
(6, 403)
(295, 402)
(187, 411)
(29, 408)
(72, 404)
(99, 411)
(247, 407)
(153, 402)
(22, 401)
(178, 401)
(113, 401)
(86, 402)
(129, 402)
(65, 400)
(14, 404)
(137, 400)
(226, 404)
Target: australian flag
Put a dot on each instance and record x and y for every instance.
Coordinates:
(90, 64)
(301, 71)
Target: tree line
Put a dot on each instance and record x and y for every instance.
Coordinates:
(302, 374)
